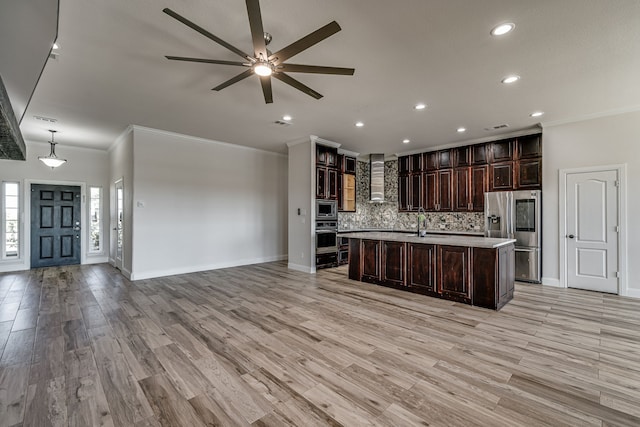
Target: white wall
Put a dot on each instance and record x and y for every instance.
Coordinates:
(84, 166)
(201, 204)
(603, 141)
(121, 167)
(301, 196)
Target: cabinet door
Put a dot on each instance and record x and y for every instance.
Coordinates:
(445, 159)
(350, 165)
(479, 185)
(403, 193)
(502, 150)
(415, 188)
(445, 190)
(403, 164)
(321, 183)
(479, 154)
(501, 176)
(454, 273)
(461, 190)
(431, 160)
(529, 174)
(394, 263)
(529, 146)
(431, 196)
(321, 155)
(461, 156)
(332, 184)
(371, 260)
(416, 163)
(332, 157)
(422, 267)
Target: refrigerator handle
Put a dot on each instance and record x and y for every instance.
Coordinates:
(510, 215)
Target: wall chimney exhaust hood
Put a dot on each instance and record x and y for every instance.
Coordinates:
(376, 182)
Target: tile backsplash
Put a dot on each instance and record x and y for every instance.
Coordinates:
(386, 216)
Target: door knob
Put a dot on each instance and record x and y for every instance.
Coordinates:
(571, 236)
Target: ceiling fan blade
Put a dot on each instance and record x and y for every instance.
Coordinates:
(206, 61)
(235, 79)
(257, 32)
(304, 43)
(266, 89)
(293, 82)
(205, 33)
(297, 68)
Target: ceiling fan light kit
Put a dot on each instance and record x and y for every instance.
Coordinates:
(263, 63)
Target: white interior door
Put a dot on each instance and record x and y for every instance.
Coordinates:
(592, 234)
(119, 223)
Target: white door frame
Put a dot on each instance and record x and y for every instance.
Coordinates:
(622, 221)
(114, 225)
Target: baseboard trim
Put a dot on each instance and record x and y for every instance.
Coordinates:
(552, 281)
(96, 260)
(196, 268)
(302, 268)
(8, 268)
(632, 293)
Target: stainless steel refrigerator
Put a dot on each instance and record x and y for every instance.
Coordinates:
(517, 215)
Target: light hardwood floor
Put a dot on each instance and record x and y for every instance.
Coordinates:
(262, 345)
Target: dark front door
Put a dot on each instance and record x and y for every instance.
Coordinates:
(55, 225)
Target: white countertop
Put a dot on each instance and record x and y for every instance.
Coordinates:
(467, 241)
(414, 231)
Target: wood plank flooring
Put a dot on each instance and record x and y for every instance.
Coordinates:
(265, 346)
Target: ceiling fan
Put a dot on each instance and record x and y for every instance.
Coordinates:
(264, 63)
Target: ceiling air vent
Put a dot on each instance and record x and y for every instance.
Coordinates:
(497, 127)
(282, 123)
(45, 119)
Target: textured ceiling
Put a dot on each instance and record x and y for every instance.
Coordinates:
(577, 59)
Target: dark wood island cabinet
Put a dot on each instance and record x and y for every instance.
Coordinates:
(470, 270)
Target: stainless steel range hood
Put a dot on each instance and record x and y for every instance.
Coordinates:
(11, 142)
(376, 182)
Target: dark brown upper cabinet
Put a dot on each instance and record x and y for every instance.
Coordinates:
(438, 194)
(326, 156)
(529, 174)
(431, 160)
(410, 164)
(410, 192)
(479, 154)
(461, 190)
(403, 164)
(501, 176)
(349, 165)
(461, 156)
(502, 151)
(528, 147)
(479, 185)
(445, 159)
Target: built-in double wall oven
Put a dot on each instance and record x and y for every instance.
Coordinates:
(326, 233)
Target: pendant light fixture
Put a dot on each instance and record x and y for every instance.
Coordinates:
(52, 160)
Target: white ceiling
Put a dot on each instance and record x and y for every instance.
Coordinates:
(577, 59)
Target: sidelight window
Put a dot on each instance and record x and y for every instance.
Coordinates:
(95, 219)
(10, 220)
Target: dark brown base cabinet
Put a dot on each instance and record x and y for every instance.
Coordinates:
(483, 277)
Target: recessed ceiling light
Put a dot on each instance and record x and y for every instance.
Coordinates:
(536, 113)
(461, 129)
(359, 124)
(55, 46)
(405, 141)
(286, 117)
(420, 106)
(510, 79)
(503, 29)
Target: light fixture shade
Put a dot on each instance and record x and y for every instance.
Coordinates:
(52, 160)
(262, 70)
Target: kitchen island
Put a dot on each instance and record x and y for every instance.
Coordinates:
(470, 269)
